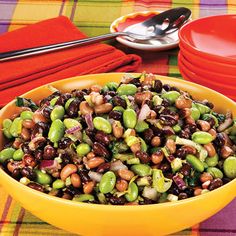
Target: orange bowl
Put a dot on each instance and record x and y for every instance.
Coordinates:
(211, 37)
(218, 67)
(92, 219)
(193, 77)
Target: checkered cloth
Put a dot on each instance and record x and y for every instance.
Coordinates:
(94, 17)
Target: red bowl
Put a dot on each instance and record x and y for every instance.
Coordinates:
(217, 78)
(189, 75)
(211, 37)
(211, 65)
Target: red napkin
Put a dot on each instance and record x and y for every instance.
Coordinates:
(19, 76)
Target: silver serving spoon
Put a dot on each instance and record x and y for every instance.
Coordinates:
(154, 28)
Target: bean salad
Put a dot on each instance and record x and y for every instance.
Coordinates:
(133, 143)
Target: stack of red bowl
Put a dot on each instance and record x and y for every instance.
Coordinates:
(208, 53)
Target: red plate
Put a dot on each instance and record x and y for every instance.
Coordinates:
(216, 78)
(210, 65)
(211, 37)
(189, 75)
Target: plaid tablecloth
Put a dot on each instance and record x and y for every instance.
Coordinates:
(94, 17)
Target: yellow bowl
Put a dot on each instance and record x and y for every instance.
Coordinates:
(91, 219)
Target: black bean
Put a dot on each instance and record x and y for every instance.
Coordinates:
(16, 174)
(185, 170)
(72, 190)
(119, 101)
(146, 201)
(64, 143)
(116, 115)
(167, 87)
(84, 176)
(38, 154)
(102, 138)
(117, 200)
(136, 82)
(170, 158)
(143, 157)
(165, 102)
(168, 120)
(220, 140)
(91, 133)
(25, 148)
(49, 98)
(73, 108)
(182, 196)
(78, 93)
(28, 173)
(63, 98)
(40, 128)
(100, 150)
(167, 130)
(215, 183)
(103, 167)
(148, 135)
(49, 152)
(47, 111)
(157, 86)
(165, 167)
(36, 186)
(185, 133)
(110, 93)
(191, 127)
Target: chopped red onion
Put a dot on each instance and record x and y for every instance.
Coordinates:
(179, 182)
(95, 176)
(117, 165)
(89, 121)
(48, 164)
(73, 129)
(144, 112)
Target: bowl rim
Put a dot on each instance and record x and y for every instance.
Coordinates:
(92, 206)
(210, 56)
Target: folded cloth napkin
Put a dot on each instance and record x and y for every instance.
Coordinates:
(21, 75)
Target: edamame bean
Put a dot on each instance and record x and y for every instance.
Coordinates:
(70, 123)
(129, 118)
(202, 137)
(207, 116)
(42, 178)
(84, 198)
(144, 146)
(127, 89)
(56, 131)
(202, 108)
(118, 108)
(58, 183)
(141, 126)
(26, 115)
(16, 127)
(102, 124)
(68, 102)
(107, 182)
(112, 85)
(212, 161)
(141, 169)
(18, 155)
(130, 140)
(229, 167)
(6, 154)
(58, 112)
(6, 128)
(53, 101)
(83, 149)
(171, 96)
(195, 162)
(195, 113)
(215, 172)
(132, 192)
(176, 128)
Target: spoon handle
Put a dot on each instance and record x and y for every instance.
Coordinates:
(54, 47)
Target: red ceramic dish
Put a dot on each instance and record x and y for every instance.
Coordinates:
(217, 78)
(209, 65)
(190, 76)
(211, 37)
